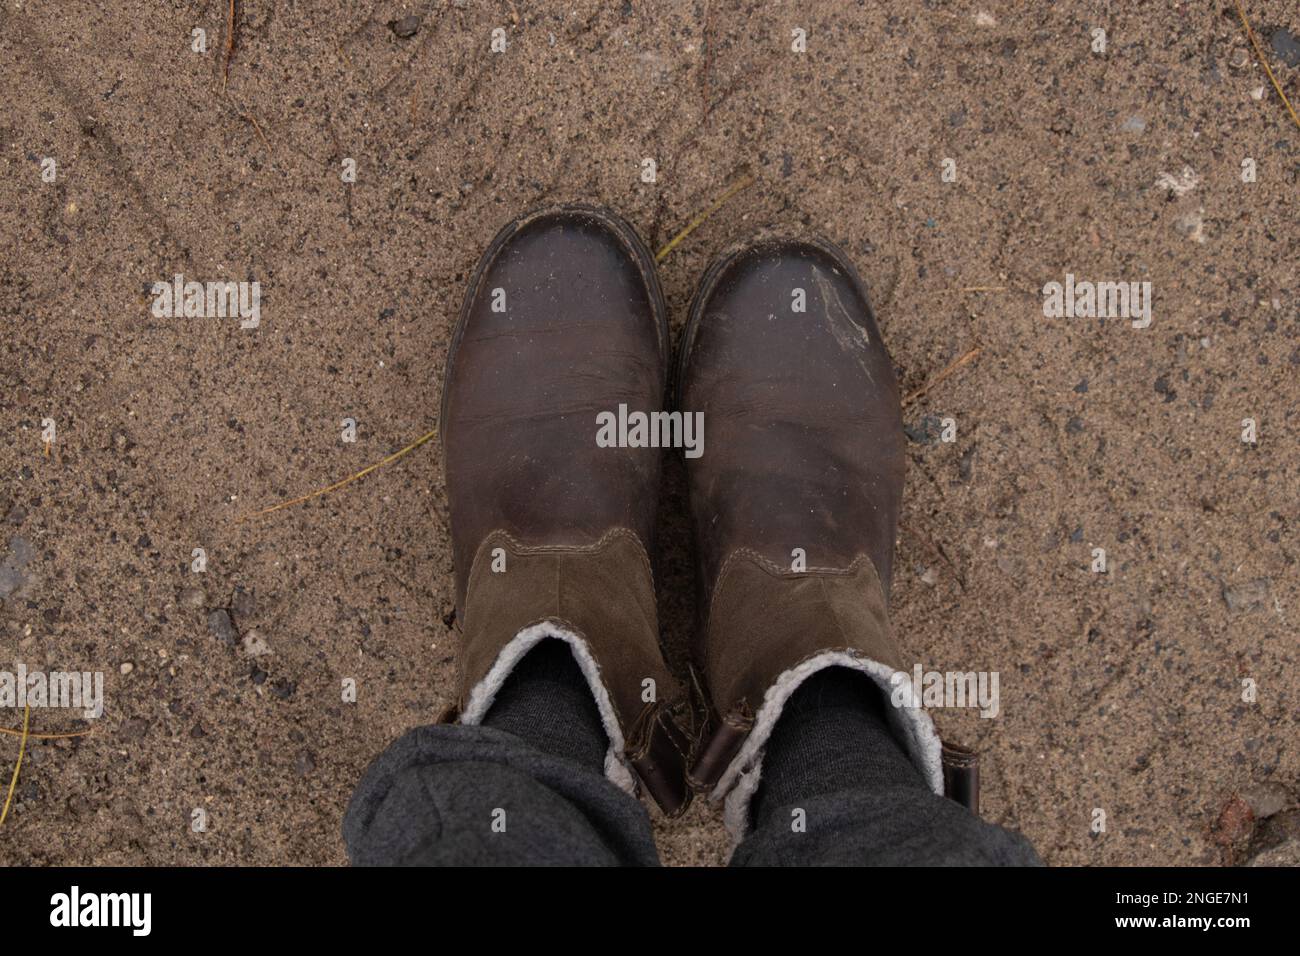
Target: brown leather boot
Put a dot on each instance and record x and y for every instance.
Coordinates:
(563, 320)
(796, 499)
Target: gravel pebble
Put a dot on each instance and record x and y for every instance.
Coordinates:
(405, 27)
(1247, 596)
(255, 645)
(221, 626)
(1267, 799)
(243, 604)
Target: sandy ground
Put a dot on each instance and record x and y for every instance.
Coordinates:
(1121, 692)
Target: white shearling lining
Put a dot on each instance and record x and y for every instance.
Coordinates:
(910, 722)
(485, 692)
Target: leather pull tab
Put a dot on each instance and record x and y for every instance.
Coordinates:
(724, 743)
(961, 776)
(659, 755)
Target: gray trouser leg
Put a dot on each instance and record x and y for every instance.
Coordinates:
(890, 826)
(473, 796)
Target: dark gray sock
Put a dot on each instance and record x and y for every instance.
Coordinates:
(832, 736)
(547, 702)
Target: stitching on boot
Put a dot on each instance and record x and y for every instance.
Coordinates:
(664, 718)
(515, 547)
(778, 571)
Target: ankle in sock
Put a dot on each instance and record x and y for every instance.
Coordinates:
(547, 701)
(832, 735)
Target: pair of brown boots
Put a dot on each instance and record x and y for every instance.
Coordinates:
(795, 489)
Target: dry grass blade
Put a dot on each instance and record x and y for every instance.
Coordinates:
(742, 183)
(346, 481)
(22, 749)
(968, 357)
(19, 733)
(230, 44)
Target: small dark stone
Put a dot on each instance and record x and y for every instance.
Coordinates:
(143, 541)
(257, 675)
(1074, 426)
(926, 431)
(282, 689)
(305, 762)
(1287, 46)
(966, 464)
(13, 562)
(1082, 387)
(222, 627)
(405, 27)
(1076, 535)
(243, 604)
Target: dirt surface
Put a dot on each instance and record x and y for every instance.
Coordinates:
(1121, 691)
